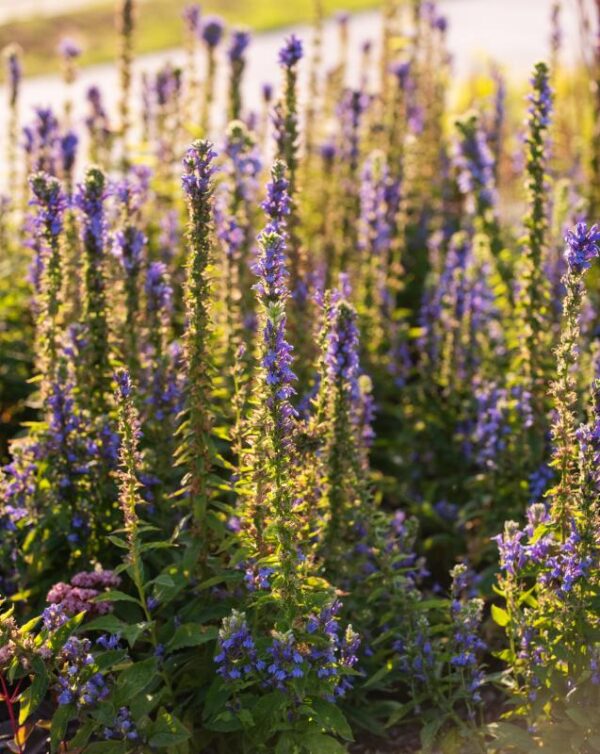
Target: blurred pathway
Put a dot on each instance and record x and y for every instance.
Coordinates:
(513, 32)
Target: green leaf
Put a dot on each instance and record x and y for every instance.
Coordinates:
(58, 727)
(192, 635)
(500, 616)
(317, 743)
(167, 730)
(163, 579)
(378, 676)
(83, 735)
(216, 697)
(30, 625)
(508, 734)
(133, 632)
(114, 595)
(110, 659)
(106, 623)
(430, 731)
(118, 542)
(31, 698)
(59, 637)
(136, 678)
(330, 717)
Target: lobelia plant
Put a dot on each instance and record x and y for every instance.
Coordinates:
(252, 503)
(547, 579)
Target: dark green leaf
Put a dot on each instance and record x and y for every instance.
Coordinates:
(191, 635)
(167, 731)
(136, 678)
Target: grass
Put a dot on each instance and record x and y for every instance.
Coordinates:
(159, 26)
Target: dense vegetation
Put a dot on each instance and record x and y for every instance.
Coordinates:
(304, 406)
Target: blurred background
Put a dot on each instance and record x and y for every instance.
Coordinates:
(515, 33)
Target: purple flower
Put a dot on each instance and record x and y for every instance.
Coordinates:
(15, 72)
(123, 728)
(277, 205)
(541, 97)
(199, 168)
(68, 150)
(240, 39)
(583, 245)
(191, 16)
(212, 30)
(286, 662)
(236, 656)
(51, 204)
(291, 52)
(159, 293)
(342, 348)
(267, 92)
(90, 200)
(69, 49)
(512, 553)
(474, 162)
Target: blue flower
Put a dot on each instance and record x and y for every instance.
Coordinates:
(291, 52)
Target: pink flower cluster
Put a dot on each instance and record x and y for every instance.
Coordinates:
(78, 595)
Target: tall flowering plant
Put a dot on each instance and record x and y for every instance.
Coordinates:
(548, 581)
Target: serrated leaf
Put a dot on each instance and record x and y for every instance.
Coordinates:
(331, 717)
(136, 678)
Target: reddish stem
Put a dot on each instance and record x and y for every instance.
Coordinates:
(10, 700)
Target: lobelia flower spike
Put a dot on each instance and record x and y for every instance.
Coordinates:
(583, 245)
(556, 36)
(497, 125)
(344, 481)
(128, 478)
(129, 243)
(466, 646)
(161, 384)
(212, 34)
(126, 11)
(69, 52)
(233, 214)
(475, 178)
(191, 16)
(533, 302)
(351, 112)
(90, 198)
(278, 416)
(42, 141)
(129, 458)
(588, 439)
(374, 243)
(196, 449)
(14, 74)
(313, 86)
(99, 127)
(287, 145)
(50, 202)
(240, 39)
